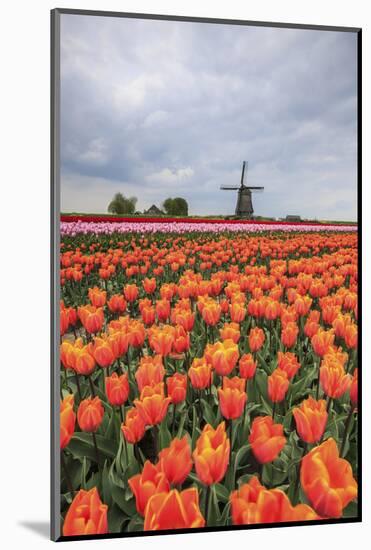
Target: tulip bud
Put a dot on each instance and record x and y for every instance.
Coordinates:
(90, 414)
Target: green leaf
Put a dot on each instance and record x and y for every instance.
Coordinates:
(351, 511)
(115, 519)
(135, 524)
(213, 513)
(261, 380)
(81, 445)
(207, 413)
(106, 489)
(195, 431)
(224, 518)
(239, 456)
(181, 425)
(222, 492)
(164, 435)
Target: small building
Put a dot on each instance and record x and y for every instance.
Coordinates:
(153, 211)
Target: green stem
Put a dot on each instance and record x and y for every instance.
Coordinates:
(78, 385)
(96, 448)
(297, 481)
(122, 416)
(318, 377)
(207, 503)
(346, 429)
(155, 440)
(66, 473)
(174, 416)
(91, 385)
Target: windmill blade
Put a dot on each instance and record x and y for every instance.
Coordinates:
(244, 164)
(226, 188)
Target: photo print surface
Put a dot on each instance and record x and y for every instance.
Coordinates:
(206, 370)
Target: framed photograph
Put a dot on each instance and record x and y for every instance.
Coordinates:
(205, 270)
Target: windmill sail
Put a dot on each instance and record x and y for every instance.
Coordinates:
(244, 208)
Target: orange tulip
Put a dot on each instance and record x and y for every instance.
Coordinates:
(266, 439)
(278, 384)
(232, 397)
(230, 331)
(223, 356)
(131, 292)
(90, 414)
(184, 318)
(161, 340)
(152, 405)
(182, 341)
(72, 316)
(133, 428)
(289, 334)
(150, 371)
(211, 313)
(144, 303)
(67, 355)
(148, 315)
(351, 336)
(200, 374)
(272, 310)
(64, 321)
(310, 419)
(91, 317)
(87, 515)
(97, 296)
(237, 312)
(176, 461)
(322, 341)
(211, 455)
(302, 305)
(84, 360)
(247, 366)
(340, 323)
(117, 389)
(288, 363)
(311, 327)
(67, 420)
(327, 480)
(102, 352)
(177, 387)
(334, 381)
(149, 285)
(256, 339)
(151, 481)
(117, 303)
(173, 510)
(252, 503)
(136, 333)
(163, 310)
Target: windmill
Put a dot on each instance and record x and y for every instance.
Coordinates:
(244, 207)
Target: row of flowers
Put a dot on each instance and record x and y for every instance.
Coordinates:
(72, 228)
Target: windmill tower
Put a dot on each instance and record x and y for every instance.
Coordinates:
(244, 207)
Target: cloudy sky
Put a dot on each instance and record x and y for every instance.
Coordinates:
(158, 109)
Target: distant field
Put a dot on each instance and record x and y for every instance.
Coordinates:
(211, 217)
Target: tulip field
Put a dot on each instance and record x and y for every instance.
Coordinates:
(208, 375)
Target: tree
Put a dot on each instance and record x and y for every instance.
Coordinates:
(122, 205)
(175, 207)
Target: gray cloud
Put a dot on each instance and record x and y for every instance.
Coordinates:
(157, 109)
